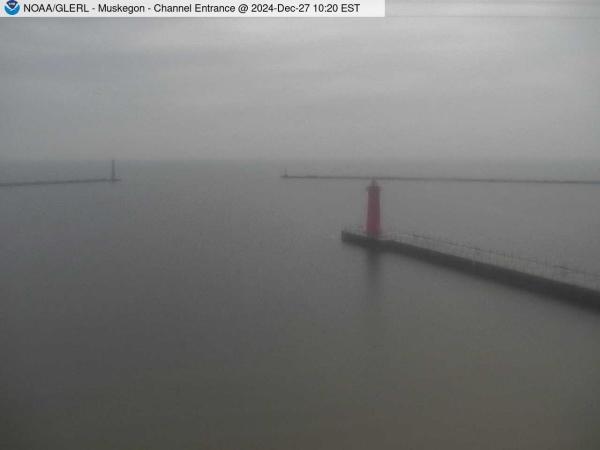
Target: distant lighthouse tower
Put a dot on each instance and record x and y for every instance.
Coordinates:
(373, 227)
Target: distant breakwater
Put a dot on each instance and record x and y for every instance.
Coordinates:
(112, 178)
(438, 179)
(55, 182)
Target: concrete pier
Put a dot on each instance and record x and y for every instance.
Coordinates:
(437, 179)
(532, 275)
(53, 182)
(112, 179)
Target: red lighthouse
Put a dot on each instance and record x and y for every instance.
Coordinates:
(373, 210)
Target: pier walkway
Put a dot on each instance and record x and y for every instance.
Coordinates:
(53, 182)
(111, 179)
(526, 272)
(438, 179)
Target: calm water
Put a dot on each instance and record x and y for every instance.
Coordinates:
(213, 306)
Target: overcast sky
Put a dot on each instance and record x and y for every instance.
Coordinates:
(393, 87)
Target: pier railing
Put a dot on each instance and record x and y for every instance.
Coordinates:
(532, 266)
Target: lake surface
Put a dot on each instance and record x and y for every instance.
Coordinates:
(212, 305)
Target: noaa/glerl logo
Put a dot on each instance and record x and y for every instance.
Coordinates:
(12, 7)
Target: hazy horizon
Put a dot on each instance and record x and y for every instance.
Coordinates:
(399, 87)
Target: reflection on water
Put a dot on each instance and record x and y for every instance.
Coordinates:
(373, 278)
(373, 299)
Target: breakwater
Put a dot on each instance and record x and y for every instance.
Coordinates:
(437, 179)
(53, 182)
(111, 179)
(526, 273)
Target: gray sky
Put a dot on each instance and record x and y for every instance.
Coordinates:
(295, 88)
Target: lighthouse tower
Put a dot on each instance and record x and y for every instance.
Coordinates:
(373, 227)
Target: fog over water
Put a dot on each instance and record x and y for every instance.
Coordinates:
(206, 303)
(213, 305)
